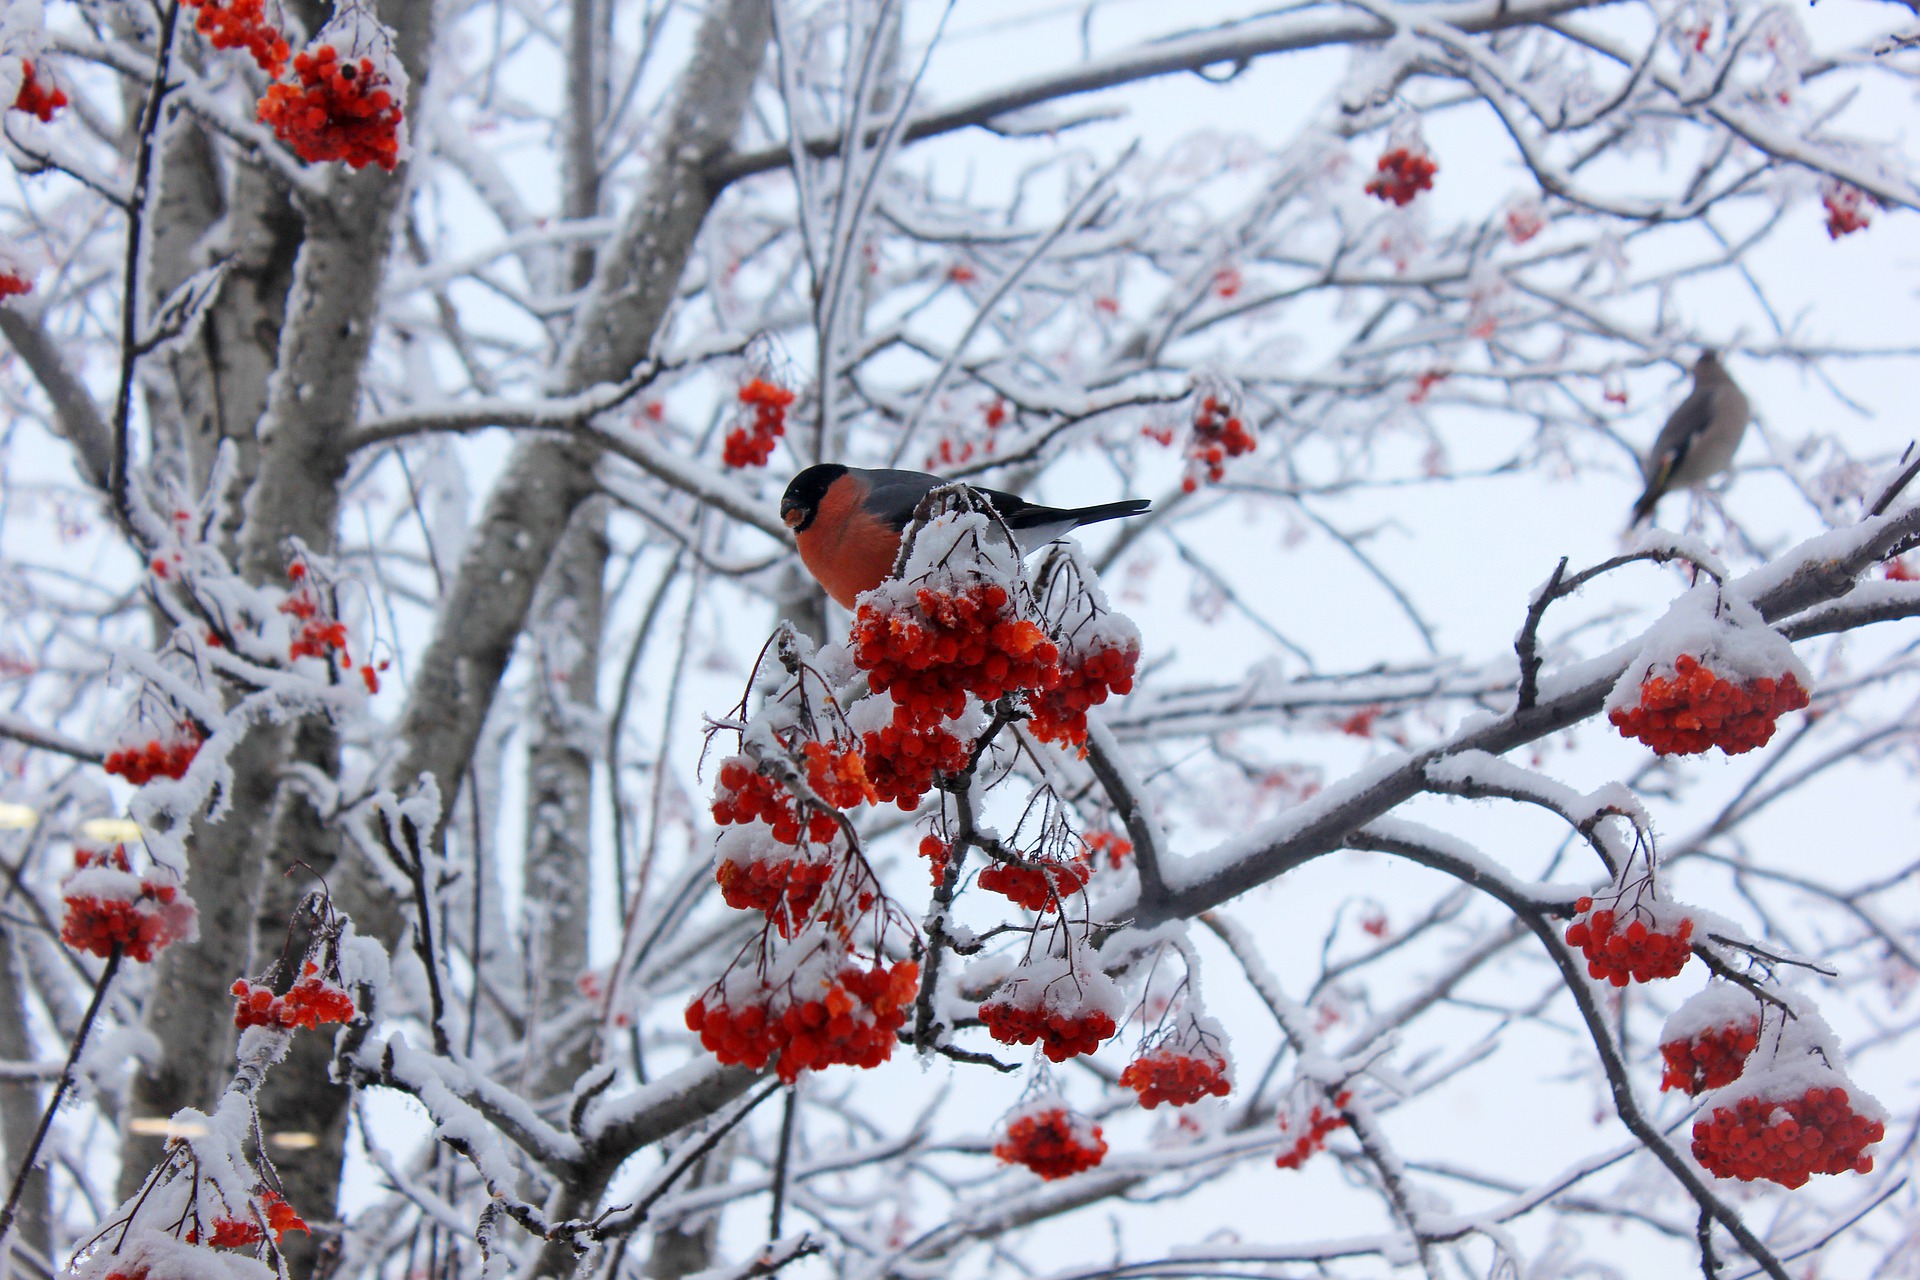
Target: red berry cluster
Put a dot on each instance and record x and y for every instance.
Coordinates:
(1176, 1076)
(230, 1233)
(751, 446)
(320, 633)
(1086, 680)
(903, 761)
(1786, 1142)
(1402, 173)
(1710, 1059)
(937, 852)
(1633, 954)
(1060, 1035)
(1218, 434)
(1846, 209)
(1321, 1121)
(12, 282)
(242, 24)
(1115, 846)
(928, 657)
(107, 906)
(308, 1003)
(241, 1233)
(140, 765)
(37, 97)
(1693, 709)
(1038, 886)
(954, 644)
(1054, 1143)
(853, 1022)
(783, 889)
(336, 109)
(746, 795)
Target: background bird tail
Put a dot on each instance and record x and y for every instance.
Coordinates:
(1643, 509)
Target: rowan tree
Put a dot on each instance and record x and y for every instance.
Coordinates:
(447, 833)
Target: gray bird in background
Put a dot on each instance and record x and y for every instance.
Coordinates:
(1701, 437)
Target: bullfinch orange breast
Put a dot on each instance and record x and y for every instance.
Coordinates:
(848, 521)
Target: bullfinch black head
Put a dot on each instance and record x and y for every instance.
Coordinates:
(801, 502)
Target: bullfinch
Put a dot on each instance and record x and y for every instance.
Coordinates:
(848, 521)
(1700, 439)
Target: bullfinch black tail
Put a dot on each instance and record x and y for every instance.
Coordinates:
(1105, 511)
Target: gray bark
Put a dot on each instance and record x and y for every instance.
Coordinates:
(21, 1104)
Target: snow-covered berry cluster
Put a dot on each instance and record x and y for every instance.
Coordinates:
(1050, 1138)
(1059, 1000)
(156, 758)
(817, 988)
(779, 850)
(1401, 173)
(1846, 207)
(1218, 433)
(1309, 1130)
(930, 652)
(243, 24)
(957, 624)
(109, 906)
(311, 1001)
(336, 107)
(1099, 650)
(1789, 1139)
(38, 95)
(1706, 1042)
(1639, 943)
(1183, 1066)
(1694, 709)
(751, 445)
(824, 1011)
(1711, 673)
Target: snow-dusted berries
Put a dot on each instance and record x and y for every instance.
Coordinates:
(1637, 944)
(313, 1000)
(1051, 1139)
(1706, 1042)
(1402, 173)
(1307, 1129)
(1711, 673)
(1846, 208)
(38, 96)
(1218, 433)
(752, 445)
(155, 758)
(243, 24)
(108, 906)
(1062, 1002)
(1789, 1139)
(827, 1011)
(339, 108)
(1694, 709)
(1181, 1067)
